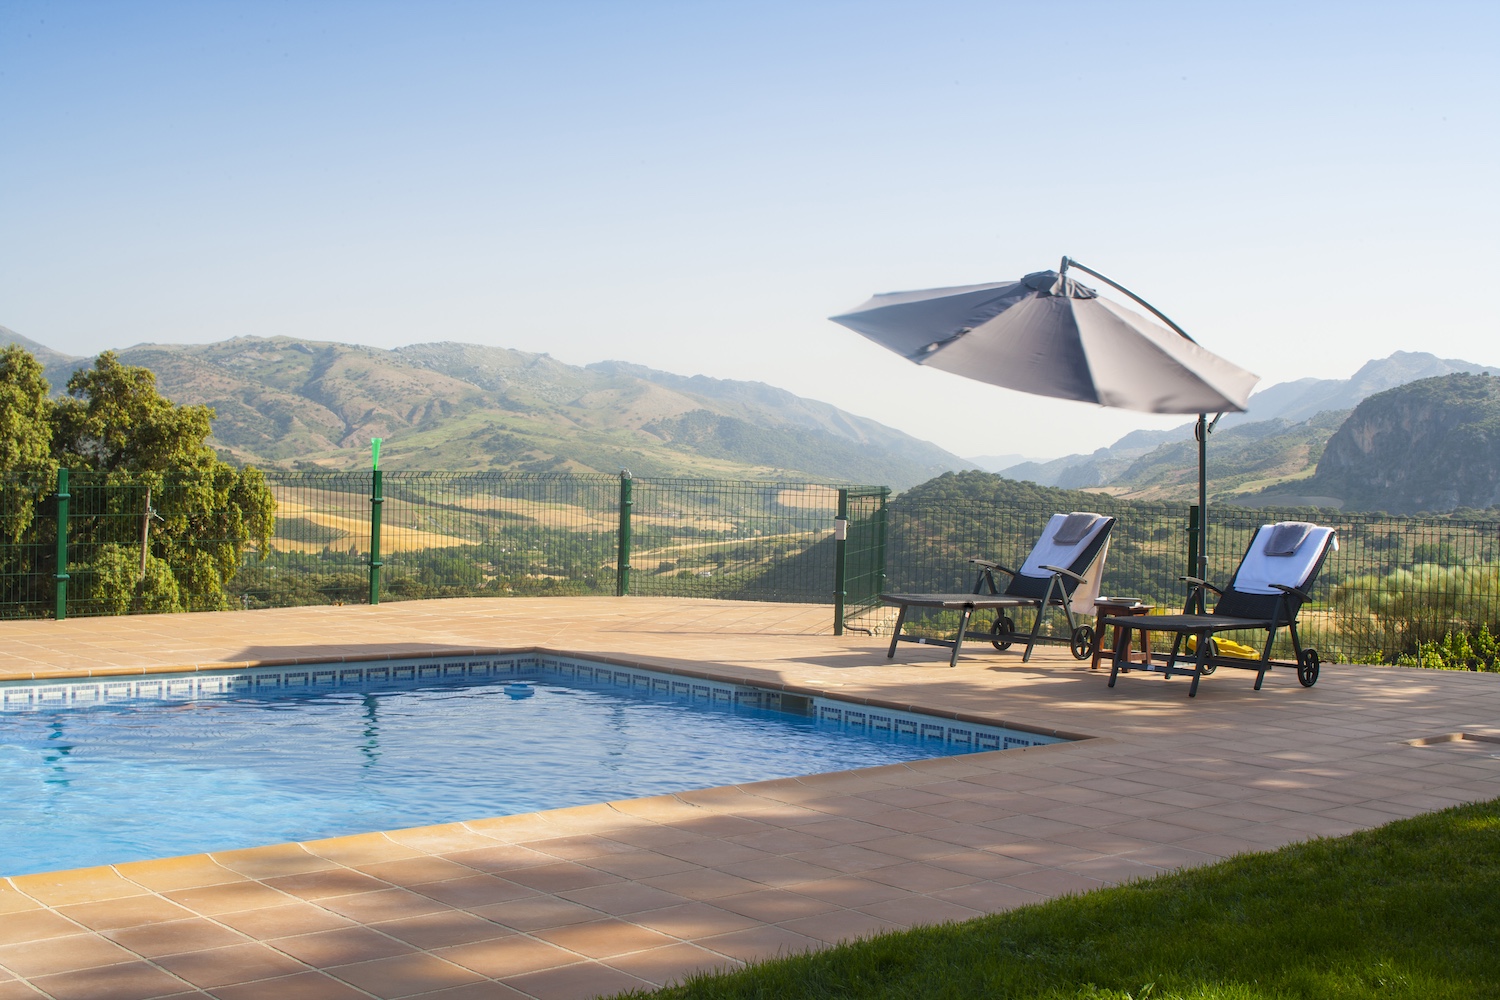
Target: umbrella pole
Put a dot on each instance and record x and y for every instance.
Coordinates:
(1200, 431)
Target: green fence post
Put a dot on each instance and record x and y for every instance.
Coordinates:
(1194, 540)
(62, 544)
(840, 561)
(622, 555)
(376, 502)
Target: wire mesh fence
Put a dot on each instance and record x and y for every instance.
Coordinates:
(510, 534)
(862, 580)
(1398, 589)
(441, 535)
(320, 548)
(733, 540)
(930, 543)
(1407, 589)
(28, 549)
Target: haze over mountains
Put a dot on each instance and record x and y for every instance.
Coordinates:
(461, 407)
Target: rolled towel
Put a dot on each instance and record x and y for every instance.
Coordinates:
(1075, 528)
(1286, 536)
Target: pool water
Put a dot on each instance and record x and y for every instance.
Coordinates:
(105, 772)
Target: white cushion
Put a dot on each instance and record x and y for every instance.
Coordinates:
(1259, 571)
(1047, 552)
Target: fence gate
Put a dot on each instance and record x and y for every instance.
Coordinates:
(860, 568)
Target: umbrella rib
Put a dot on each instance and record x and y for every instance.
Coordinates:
(1070, 262)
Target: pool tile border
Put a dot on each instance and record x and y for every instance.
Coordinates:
(479, 662)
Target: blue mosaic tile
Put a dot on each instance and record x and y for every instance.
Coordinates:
(19, 696)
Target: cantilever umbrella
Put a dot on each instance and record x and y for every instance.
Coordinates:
(1048, 335)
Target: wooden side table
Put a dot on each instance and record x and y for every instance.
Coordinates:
(1106, 607)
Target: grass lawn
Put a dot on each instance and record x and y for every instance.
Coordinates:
(1409, 910)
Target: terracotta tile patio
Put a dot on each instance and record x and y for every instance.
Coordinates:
(597, 899)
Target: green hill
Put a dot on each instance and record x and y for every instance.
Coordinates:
(462, 407)
(1240, 459)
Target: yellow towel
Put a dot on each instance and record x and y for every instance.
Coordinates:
(1225, 647)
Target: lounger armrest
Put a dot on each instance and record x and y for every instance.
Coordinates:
(1195, 605)
(1292, 590)
(987, 564)
(1064, 572)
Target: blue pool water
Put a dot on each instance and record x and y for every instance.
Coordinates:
(100, 772)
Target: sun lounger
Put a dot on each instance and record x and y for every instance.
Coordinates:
(1265, 593)
(1062, 571)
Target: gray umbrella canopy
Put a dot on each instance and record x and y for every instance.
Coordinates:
(1048, 335)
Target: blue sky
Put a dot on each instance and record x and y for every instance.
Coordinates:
(696, 186)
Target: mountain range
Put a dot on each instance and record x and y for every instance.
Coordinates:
(462, 407)
(1264, 456)
(281, 401)
(1429, 445)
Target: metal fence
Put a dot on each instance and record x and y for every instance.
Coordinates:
(859, 562)
(507, 534)
(432, 535)
(1397, 585)
(346, 537)
(28, 548)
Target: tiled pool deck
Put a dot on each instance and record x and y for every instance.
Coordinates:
(603, 898)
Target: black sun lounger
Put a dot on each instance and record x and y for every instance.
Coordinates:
(1266, 592)
(1071, 546)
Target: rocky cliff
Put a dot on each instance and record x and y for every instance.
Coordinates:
(1430, 445)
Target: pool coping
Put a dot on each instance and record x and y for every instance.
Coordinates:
(781, 865)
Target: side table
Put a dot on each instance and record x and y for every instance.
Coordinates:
(1107, 607)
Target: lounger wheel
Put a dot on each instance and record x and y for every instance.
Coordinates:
(1005, 628)
(1082, 643)
(1307, 668)
(1210, 666)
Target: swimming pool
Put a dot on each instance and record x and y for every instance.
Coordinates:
(101, 771)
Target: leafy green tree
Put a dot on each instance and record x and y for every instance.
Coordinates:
(114, 420)
(27, 468)
(114, 584)
(201, 513)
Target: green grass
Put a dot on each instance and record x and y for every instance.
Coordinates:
(1409, 910)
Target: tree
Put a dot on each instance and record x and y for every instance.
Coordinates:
(27, 468)
(114, 420)
(162, 487)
